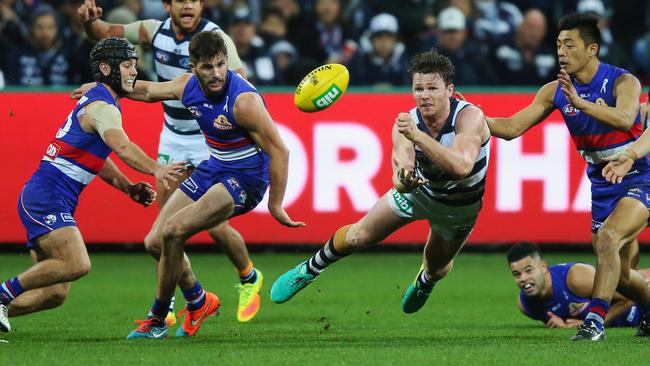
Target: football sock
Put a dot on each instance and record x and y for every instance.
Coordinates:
(10, 290)
(425, 280)
(597, 312)
(160, 309)
(248, 275)
(194, 296)
(334, 250)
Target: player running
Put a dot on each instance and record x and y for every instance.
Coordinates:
(246, 154)
(181, 138)
(559, 295)
(600, 105)
(439, 160)
(78, 153)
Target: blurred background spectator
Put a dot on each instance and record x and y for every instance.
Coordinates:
(490, 42)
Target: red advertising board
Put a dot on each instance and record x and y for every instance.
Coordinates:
(339, 166)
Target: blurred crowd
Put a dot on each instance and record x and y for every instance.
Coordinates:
(491, 42)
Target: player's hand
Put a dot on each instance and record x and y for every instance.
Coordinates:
(406, 126)
(573, 323)
(80, 91)
(169, 172)
(617, 167)
(554, 321)
(406, 179)
(282, 217)
(142, 193)
(89, 12)
(569, 90)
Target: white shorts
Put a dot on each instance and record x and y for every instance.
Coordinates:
(450, 222)
(188, 148)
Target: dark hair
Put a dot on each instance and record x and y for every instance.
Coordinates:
(522, 250)
(432, 62)
(206, 45)
(586, 24)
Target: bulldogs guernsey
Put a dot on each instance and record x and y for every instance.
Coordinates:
(48, 200)
(235, 159)
(594, 140)
(565, 304)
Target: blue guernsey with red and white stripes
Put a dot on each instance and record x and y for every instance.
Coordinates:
(595, 140)
(227, 141)
(78, 155)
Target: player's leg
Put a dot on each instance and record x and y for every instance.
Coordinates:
(374, 227)
(621, 227)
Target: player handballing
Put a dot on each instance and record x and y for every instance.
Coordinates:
(439, 161)
(246, 155)
(78, 153)
(600, 105)
(181, 138)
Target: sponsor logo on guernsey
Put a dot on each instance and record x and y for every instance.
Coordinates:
(50, 219)
(222, 123)
(569, 110)
(189, 184)
(328, 98)
(163, 159)
(52, 150)
(206, 105)
(185, 62)
(194, 111)
(242, 197)
(600, 101)
(67, 217)
(234, 183)
(575, 308)
(162, 56)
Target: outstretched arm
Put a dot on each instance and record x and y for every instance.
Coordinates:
(141, 192)
(138, 32)
(515, 126)
(252, 115)
(403, 163)
(153, 91)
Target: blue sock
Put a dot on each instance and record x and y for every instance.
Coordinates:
(249, 278)
(160, 309)
(194, 296)
(10, 290)
(597, 312)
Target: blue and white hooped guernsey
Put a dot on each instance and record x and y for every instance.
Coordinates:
(442, 187)
(228, 142)
(76, 155)
(171, 59)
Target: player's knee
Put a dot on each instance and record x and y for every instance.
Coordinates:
(607, 241)
(153, 244)
(79, 268)
(172, 231)
(357, 237)
(55, 297)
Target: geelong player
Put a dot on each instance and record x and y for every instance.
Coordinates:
(246, 155)
(78, 153)
(181, 138)
(600, 105)
(439, 161)
(559, 295)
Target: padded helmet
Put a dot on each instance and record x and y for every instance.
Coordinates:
(112, 51)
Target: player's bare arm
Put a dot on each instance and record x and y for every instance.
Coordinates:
(251, 114)
(90, 15)
(107, 122)
(515, 126)
(627, 91)
(458, 160)
(621, 163)
(140, 192)
(580, 279)
(153, 91)
(403, 163)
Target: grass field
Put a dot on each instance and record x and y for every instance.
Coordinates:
(350, 316)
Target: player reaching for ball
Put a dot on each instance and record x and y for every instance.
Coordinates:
(78, 153)
(439, 160)
(246, 155)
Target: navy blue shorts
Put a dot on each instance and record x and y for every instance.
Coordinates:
(43, 209)
(246, 186)
(605, 198)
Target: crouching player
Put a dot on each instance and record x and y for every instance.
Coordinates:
(78, 153)
(559, 295)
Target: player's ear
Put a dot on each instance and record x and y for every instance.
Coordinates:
(104, 68)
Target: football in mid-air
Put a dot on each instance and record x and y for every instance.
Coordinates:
(321, 88)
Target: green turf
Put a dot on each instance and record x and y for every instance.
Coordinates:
(351, 315)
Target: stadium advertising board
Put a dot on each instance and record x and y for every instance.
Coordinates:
(536, 187)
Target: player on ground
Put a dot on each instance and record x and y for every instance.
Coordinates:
(78, 153)
(181, 138)
(439, 160)
(559, 295)
(246, 154)
(600, 105)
